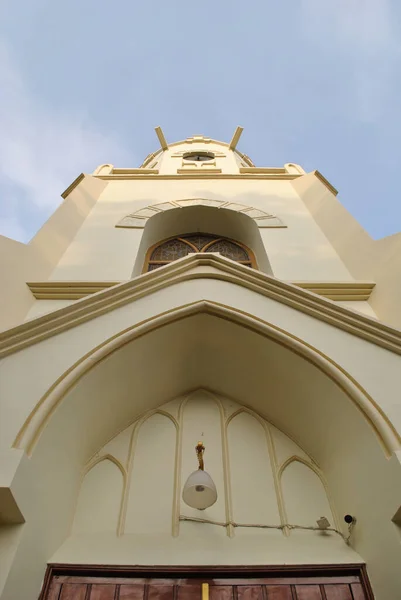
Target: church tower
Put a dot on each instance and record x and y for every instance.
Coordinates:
(200, 384)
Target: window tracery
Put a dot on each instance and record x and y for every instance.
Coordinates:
(172, 249)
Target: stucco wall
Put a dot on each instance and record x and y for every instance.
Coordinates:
(100, 251)
(21, 263)
(140, 497)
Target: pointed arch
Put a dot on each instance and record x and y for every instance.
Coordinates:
(94, 462)
(44, 409)
(313, 467)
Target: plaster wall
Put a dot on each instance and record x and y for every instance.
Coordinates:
(21, 263)
(100, 251)
(296, 399)
(366, 258)
(52, 357)
(160, 451)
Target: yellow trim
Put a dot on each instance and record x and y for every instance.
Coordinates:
(140, 171)
(68, 290)
(161, 138)
(75, 290)
(202, 174)
(184, 269)
(73, 185)
(194, 172)
(263, 171)
(325, 182)
(235, 138)
(205, 591)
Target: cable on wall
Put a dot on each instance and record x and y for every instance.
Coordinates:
(279, 527)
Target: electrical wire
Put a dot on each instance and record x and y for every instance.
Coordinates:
(260, 526)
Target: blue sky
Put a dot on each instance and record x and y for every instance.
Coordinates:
(317, 82)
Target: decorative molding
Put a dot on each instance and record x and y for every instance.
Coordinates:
(75, 290)
(204, 175)
(140, 171)
(338, 290)
(186, 269)
(323, 179)
(194, 171)
(68, 290)
(138, 219)
(37, 420)
(73, 185)
(263, 170)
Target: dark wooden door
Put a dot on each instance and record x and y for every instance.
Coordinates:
(295, 585)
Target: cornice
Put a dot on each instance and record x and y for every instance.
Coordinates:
(211, 267)
(338, 290)
(68, 290)
(200, 175)
(183, 270)
(75, 290)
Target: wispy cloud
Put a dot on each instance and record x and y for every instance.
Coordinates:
(42, 149)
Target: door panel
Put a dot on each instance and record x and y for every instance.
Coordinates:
(131, 592)
(72, 591)
(250, 592)
(338, 592)
(308, 592)
(279, 592)
(289, 586)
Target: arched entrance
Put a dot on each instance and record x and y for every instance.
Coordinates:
(282, 380)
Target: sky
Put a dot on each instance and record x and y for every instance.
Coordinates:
(315, 82)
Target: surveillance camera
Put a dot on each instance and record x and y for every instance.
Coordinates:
(349, 519)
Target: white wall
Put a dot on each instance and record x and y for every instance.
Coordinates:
(101, 251)
(254, 487)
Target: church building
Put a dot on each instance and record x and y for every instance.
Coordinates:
(200, 389)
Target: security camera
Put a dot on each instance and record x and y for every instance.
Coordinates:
(349, 519)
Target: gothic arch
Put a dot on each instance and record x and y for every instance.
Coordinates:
(138, 219)
(310, 465)
(33, 427)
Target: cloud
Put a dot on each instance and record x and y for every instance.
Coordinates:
(42, 150)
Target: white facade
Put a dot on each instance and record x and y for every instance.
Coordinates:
(289, 372)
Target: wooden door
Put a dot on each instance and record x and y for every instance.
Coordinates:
(102, 583)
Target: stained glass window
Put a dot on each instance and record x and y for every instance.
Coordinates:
(173, 249)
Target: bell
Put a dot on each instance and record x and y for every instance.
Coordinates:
(199, 490)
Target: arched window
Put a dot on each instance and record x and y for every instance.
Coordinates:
(170, 250)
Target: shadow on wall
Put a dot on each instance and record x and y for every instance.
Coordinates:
(203, 219)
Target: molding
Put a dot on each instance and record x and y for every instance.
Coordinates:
(73, 185)
(323, 179)
(205, 175)
(338, 290)
(139, 171)
(75, 290)
(138, 219)
(194, 172)
(68, 290)
(264, 171)
(186, 269)
(34, 425)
